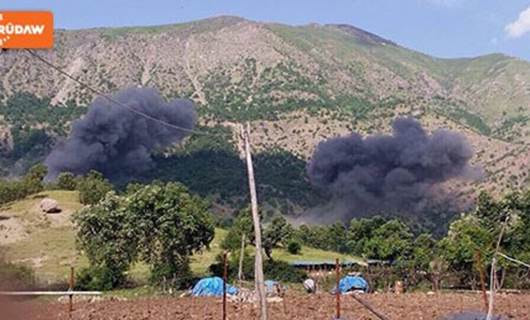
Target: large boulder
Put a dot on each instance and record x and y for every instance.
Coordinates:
(49, 205)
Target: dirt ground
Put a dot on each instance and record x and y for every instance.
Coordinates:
(414, 306)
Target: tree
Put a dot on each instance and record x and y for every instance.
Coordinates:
(93, 187)
(11, 190)
(425, 260)
(337, 237)
(105, 232)
(361, 231)
(313, 236)
(465, 237)
(170, 224)
(294, 247)
(277, 232)
(391, 241)
(242, 226)
(66, 181)
(32, 181)
(491, 213)
(423, 252)
(161, 225)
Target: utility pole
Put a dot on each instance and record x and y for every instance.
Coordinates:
(493, 272)
(258, 264)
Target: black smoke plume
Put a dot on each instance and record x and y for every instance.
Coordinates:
(115, 141)
(393, 173)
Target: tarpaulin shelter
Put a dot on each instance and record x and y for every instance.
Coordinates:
(212, 287)
(352, 283)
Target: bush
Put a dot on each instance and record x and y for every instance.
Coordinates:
(282, 271)
(233, 266)
(99, 278)
(294, 247)
(31, 183)
(93, 187)
(66, 181)
(274, 270)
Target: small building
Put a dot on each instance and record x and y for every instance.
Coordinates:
(319, 267)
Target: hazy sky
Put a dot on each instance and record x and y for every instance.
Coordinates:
(444, 28)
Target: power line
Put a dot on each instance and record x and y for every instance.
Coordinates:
(514, 260)
(140, 113)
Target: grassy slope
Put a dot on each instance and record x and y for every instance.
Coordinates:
(48, 243)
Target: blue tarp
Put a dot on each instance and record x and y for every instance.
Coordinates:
(211, 287)
(350, 283)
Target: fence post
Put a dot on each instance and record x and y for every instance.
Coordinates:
(225, 271)
(71, 288)
(337, 291)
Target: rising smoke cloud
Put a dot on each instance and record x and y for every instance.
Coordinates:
(388, 173)
(116, 141)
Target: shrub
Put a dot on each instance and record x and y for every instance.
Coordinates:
(100, 278)
(274, 270)
(294, 247)
(282, 271)
(217, 268)
(93, 187)
(66, 181)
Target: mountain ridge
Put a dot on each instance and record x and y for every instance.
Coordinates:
(297, 85)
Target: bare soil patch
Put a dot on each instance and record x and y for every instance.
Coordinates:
(11, 230)
(413, 306)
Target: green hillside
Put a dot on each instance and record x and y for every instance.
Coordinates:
(47, 242)
(296, 85)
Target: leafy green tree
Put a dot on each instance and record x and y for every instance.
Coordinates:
(423, 252)
(361, 231)
(161, 225)
(105, 232)
(391, 241)
(66, 181)
(33, 179)
(333, 237)
(279, 231)
(170, 225)
(133, 187)
(465, 237)
(337, 237)
(312, 236)
(93, 187)
(32, 182)
(425, 262)
(491, 213)
(11, 190)
(294, 247)
(242, 226)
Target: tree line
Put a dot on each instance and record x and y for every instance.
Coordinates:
(455, 259)
(162, 224)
